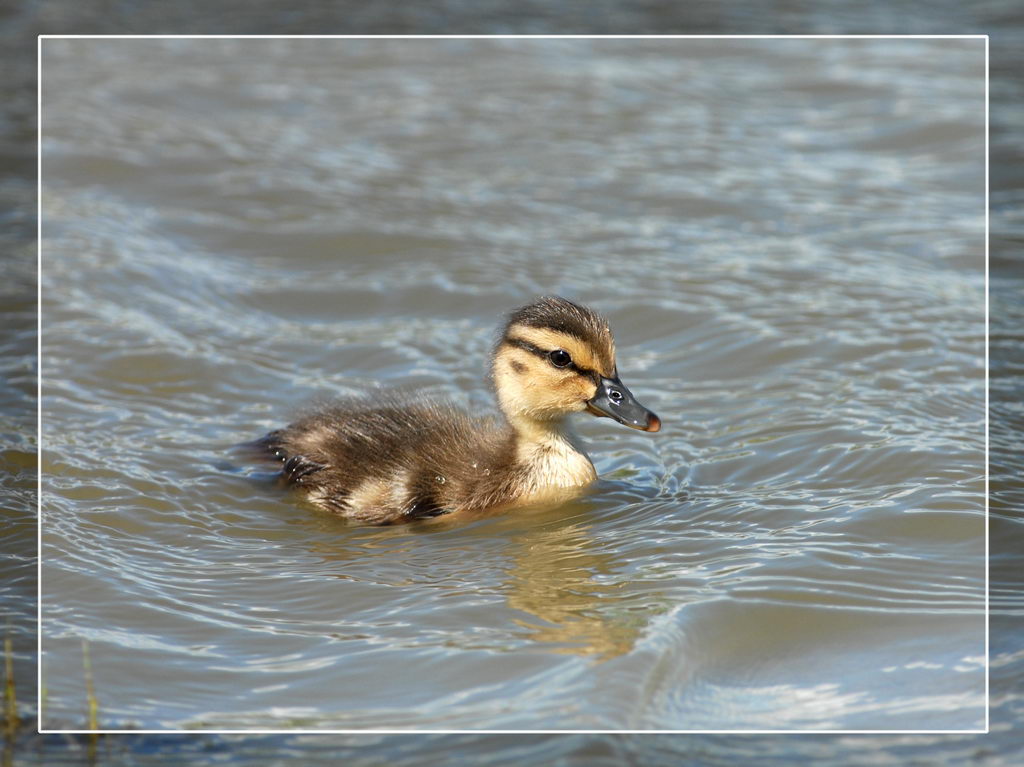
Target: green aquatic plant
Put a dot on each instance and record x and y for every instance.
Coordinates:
(11, 718)
(90, 690)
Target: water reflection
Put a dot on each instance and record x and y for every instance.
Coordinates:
(555, 577)
(550, 568)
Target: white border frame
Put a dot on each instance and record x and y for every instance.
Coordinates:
(307, 731)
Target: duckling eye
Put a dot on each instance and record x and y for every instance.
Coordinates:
(560, 358)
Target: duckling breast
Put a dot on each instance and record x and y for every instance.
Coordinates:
(554, 464)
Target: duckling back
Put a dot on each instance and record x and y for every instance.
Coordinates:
(394, 458)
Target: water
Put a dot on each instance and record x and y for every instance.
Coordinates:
(1003, 746)
(788, 240)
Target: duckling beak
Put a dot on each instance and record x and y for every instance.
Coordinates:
(616, 401)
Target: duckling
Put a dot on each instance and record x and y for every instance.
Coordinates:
(392, 458)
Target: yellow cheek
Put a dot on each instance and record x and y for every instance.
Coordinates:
(573, 393)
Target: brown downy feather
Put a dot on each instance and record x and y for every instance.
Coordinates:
(563, 316)
(394, 457)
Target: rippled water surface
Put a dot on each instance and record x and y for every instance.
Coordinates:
(787, 237)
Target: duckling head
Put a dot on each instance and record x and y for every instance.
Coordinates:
(555, 358)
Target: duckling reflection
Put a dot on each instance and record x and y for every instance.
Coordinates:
(547, 567)
(395, 458)
(553, 579)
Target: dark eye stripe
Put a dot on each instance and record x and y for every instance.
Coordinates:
(532, 349)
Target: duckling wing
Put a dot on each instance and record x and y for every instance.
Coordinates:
(385, 459)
